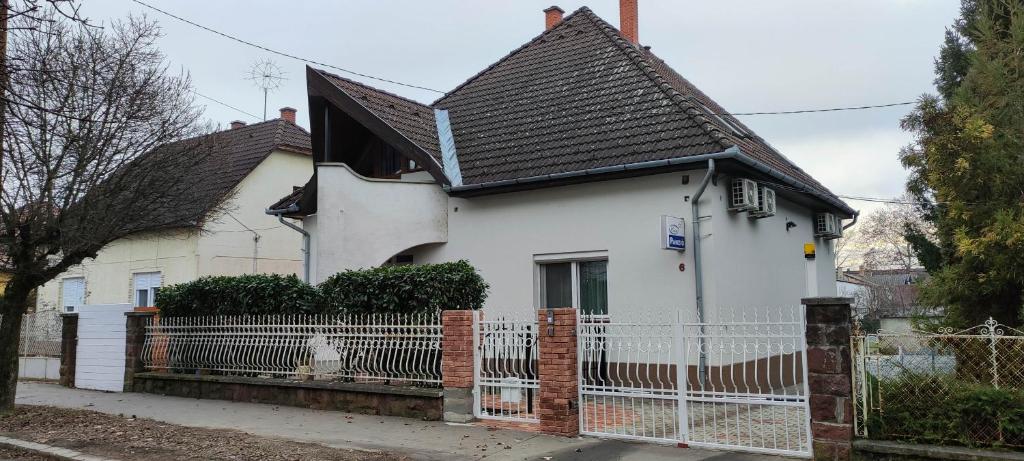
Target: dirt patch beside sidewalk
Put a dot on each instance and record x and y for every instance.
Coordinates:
(7, 453)
(128, 438)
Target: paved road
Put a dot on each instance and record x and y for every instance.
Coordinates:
(421, 440)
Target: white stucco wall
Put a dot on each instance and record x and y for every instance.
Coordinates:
(758, 262)
(108, 277)
(226, 247)
(222, 248)
(361, 222)
(747, 263)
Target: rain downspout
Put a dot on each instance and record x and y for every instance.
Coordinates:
(697, 272)
(305, 236)
(305, 246)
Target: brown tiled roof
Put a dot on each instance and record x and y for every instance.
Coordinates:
(742, 137)
(413, 119)
(289, 200)
(233, 153)
(577, 97)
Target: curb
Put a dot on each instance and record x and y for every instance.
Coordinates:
(47, 450)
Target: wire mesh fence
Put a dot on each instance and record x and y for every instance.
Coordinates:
(40, 334)
(397, 349)
(946, 386)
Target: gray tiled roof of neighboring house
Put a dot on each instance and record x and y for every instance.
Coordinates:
(233, 153)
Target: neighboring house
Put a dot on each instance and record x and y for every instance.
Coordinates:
(558, 171)
(254, 162)
(887, 295)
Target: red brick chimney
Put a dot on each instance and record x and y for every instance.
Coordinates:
(288, 113)
(552, 16)
(237, 124)
(628, 20)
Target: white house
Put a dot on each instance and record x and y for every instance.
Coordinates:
(255, 162)
(571, 172)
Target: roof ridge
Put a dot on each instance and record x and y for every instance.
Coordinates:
(562, 23)
(324, 72)
(637, 58)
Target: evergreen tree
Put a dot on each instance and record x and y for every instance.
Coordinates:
(967, 167)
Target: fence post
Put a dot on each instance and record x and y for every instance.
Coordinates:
(457, 364)
(829, 370)
(135, 338)
(558, 406)
(68, 348)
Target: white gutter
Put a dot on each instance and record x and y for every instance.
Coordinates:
(732, 153)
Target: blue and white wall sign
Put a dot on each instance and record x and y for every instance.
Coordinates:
(673, 233)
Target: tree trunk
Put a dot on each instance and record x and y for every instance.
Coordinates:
(3, 77)
(12, 307)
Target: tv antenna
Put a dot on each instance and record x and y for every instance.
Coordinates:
(266, 75)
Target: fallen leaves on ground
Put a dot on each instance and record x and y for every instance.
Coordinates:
(128, 438)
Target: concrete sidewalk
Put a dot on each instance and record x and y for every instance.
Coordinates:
(422, 440)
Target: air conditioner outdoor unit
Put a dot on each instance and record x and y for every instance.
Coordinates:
(825, 225)
(838, 229)
(766, 203)
(744, 195)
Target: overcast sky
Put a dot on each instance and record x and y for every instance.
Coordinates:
(749, 55)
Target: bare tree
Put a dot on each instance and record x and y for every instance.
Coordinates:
(86, 158)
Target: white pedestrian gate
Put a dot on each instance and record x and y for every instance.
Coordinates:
(100, 354)
(505, 376)
(739, 384)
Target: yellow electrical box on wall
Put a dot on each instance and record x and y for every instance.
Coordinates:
(809, 250)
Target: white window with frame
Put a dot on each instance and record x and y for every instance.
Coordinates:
(146, 284)
(577, 280)
(72, 293)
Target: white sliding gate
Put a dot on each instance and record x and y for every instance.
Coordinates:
(101, 347)
(505, 376)
(743, 381)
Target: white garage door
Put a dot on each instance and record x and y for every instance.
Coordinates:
(101, 347)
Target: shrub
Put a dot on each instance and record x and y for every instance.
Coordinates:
(404, 289)
(916, 408)
(244, 294)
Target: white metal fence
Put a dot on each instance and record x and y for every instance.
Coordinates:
(382, 348)
(738, 382)
(506, 383)
(40, 334)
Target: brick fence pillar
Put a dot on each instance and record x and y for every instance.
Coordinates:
(558, 408)
(830, 377)
(135, 328)
(68, 349)
(457, 364)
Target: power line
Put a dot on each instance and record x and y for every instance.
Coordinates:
(256, 117)
(420, 87)
(281, 53)
(832, 109)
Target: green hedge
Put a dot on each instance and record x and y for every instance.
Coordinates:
(388, 289)
(914, 408)
(240, 295)
(405, 289)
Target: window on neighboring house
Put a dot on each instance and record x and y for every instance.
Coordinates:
(72, 293)
(581, 284)
(147, 284)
